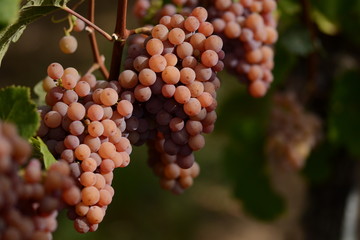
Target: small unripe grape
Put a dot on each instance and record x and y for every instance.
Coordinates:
(68, 44)
(79, 25)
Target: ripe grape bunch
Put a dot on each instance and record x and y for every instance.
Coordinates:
(29, 202)
(82, 125)
(170, 78)
(248, 29)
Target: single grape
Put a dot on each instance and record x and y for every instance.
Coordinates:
(55, 70)
(68, 44)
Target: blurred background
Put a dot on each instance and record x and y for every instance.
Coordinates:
(284, 167)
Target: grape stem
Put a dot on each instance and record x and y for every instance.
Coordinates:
(122, 33)
(98, 29)
(71, 26)
(141, 30)
(93, 42)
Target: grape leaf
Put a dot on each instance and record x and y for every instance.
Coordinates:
(31, 11)
(9, 12)
(244, 159)
(40, 93)
(297, 41)
(41, 151)
(17, 107)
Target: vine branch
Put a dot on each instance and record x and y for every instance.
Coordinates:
(101, 31)
(122, 33)
(94, 46)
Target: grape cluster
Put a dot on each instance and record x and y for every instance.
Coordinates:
(173, 170)
(142, 8)
(83, 125)
(170, 79)
(293, 132)
(248, 29)
(29, 203)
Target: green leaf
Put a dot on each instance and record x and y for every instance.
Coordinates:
(289, 7)
(9, 12)
(31, 11)
(343, 121)
(245, 161)
(325, 25)
(297, 41)
(41, 151)
(329, 8)
(17, 107)
(40, 93)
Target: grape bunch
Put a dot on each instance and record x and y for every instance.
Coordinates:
(30, 201)
(170, 78)
(247, 28)
(293, 132)
(145, 8)
(82, 125)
